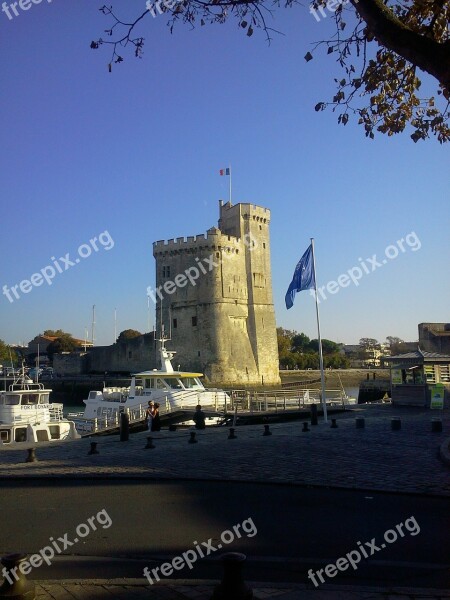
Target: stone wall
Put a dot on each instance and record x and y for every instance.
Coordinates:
(136, 354)
(69, 363)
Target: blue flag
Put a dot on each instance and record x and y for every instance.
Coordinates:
(303, 278)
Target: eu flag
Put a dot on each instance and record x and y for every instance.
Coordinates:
(303, 279)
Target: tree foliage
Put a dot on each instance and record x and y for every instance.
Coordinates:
(128, 334)
(55, 333)
(380, 46)
(297, 351)
(7, 354)
(63, 343)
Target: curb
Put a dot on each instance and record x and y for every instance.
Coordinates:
(116, 477)
(176, 583)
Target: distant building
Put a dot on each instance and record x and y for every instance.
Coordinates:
(420, 378)
(435, 337)
(39, 345)
(41, 342)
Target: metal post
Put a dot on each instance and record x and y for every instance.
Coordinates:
(124, 427)
(232, 586)
(20, 588)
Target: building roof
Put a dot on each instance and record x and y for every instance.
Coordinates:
(421, 356)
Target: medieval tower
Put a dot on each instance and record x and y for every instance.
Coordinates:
(214, 297)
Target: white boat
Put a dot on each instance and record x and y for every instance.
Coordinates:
(27, 416)
(173, 390)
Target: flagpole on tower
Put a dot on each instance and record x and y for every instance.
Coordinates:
(319, 339)
(230, 182)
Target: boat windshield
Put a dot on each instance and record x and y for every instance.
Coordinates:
(173, 382)
(11, 400)
(30, 399)
(192, 383)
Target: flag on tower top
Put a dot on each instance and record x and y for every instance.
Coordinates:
(224, 171)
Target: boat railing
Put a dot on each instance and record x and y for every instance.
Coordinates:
(281, 400)
(30, 387)
(218, 401)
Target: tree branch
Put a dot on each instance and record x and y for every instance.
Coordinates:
(425, 52)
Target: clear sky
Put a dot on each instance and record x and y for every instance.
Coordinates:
(136, 154)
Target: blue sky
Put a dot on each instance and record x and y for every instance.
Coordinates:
(136, 153)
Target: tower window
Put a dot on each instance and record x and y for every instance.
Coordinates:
(175, 323)
(194, 321)
(166, 271)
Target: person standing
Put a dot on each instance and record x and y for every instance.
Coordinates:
(149, 414)
(156, 420)
(199, 418)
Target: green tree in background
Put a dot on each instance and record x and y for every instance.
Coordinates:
(297, 351)
(63, 343)
(7, 354)
(128, 334)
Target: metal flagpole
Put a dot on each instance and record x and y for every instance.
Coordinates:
(230, 182)
(322, 375)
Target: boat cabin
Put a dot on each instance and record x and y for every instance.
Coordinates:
(26, 415)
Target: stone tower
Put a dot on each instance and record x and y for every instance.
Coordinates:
(214, 297)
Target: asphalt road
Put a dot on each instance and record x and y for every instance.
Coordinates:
(284, 530)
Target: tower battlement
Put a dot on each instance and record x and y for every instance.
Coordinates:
(213, 239)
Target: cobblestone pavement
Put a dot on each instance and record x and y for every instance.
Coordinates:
(113, 590)
(375, 457)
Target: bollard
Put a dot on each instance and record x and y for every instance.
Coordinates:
(232, 435)
(396, 423)
(192, 439)
(305, 427)
(150, 444)
(360, 422)
(232, 586)
(266, 430)
(436, 424)
(93, 449)
(124, 427)
(333, 424)
(314, 419)
(15, 586)
(31, 456)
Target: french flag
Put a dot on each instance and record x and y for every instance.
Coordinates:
(224, 171)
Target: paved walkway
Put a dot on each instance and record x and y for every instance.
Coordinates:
(202, 590)
(375, 457)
